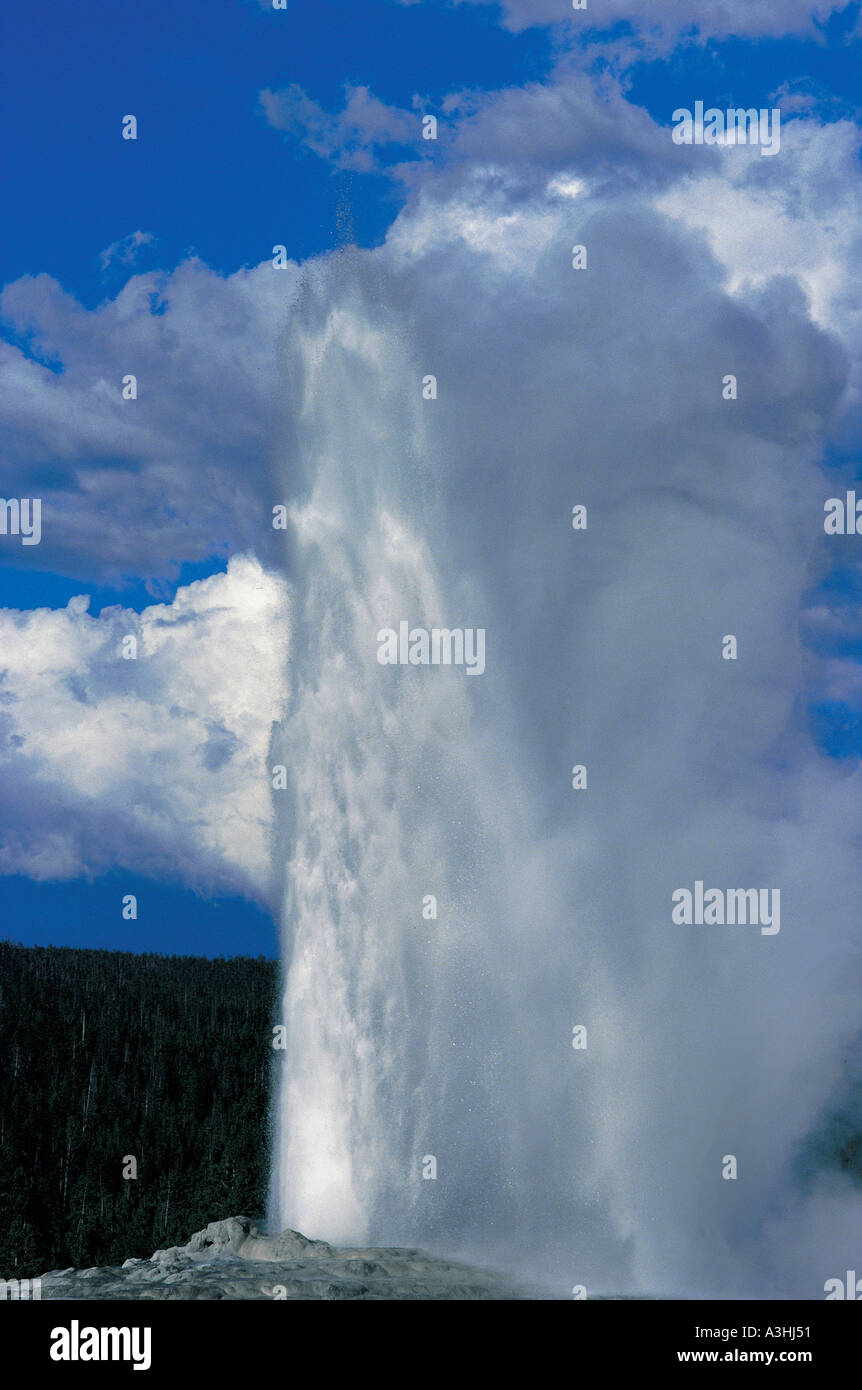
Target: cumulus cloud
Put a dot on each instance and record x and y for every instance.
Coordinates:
(156, 764)
(804, 220)
(352, 138)
(135, 487)
(703, 18)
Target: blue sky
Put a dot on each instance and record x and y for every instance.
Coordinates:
(207, 174)
(207, 177)
(210, 177)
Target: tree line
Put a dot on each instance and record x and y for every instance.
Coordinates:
(109, 1056)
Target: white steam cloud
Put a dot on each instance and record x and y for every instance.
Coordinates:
(452, 1038)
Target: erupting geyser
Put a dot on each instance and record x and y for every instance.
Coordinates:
(413, 1036)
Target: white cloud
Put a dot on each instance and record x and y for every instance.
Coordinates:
(135, 487)
(706, 18)
(801, 220)
(156, 764)
(126, 250)
(349, 139)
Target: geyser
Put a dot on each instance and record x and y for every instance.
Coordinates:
(413, 1037)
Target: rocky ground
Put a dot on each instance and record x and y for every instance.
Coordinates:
(231, 1259)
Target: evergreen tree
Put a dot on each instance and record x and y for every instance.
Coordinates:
(165, 1059)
